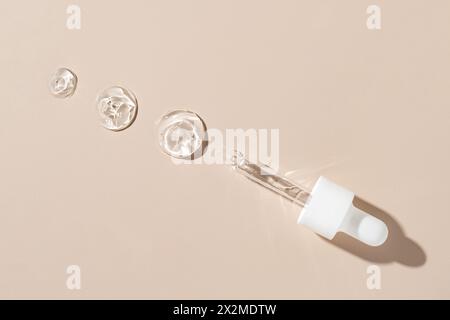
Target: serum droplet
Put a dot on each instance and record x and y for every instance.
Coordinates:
(63, 83)
(117, 108)
(182, 134)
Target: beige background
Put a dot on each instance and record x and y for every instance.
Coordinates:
(368, 109)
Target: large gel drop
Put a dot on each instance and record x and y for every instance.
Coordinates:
(182, 134)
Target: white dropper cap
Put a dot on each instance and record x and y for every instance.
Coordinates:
(330, 210)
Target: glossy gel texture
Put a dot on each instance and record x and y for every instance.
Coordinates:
(117, 108)
(182, 134)
(63, 83)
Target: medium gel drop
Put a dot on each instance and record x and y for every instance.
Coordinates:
(117, 108)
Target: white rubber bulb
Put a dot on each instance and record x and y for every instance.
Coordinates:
(364, 227)
(330, 210)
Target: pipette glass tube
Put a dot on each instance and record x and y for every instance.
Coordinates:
(262, 175)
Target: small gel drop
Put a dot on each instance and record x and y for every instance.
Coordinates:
(63, 83)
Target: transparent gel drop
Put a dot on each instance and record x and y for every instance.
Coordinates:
(182, 134)
(63, 83)
(117, 108)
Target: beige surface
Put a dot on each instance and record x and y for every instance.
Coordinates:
(369, 110)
